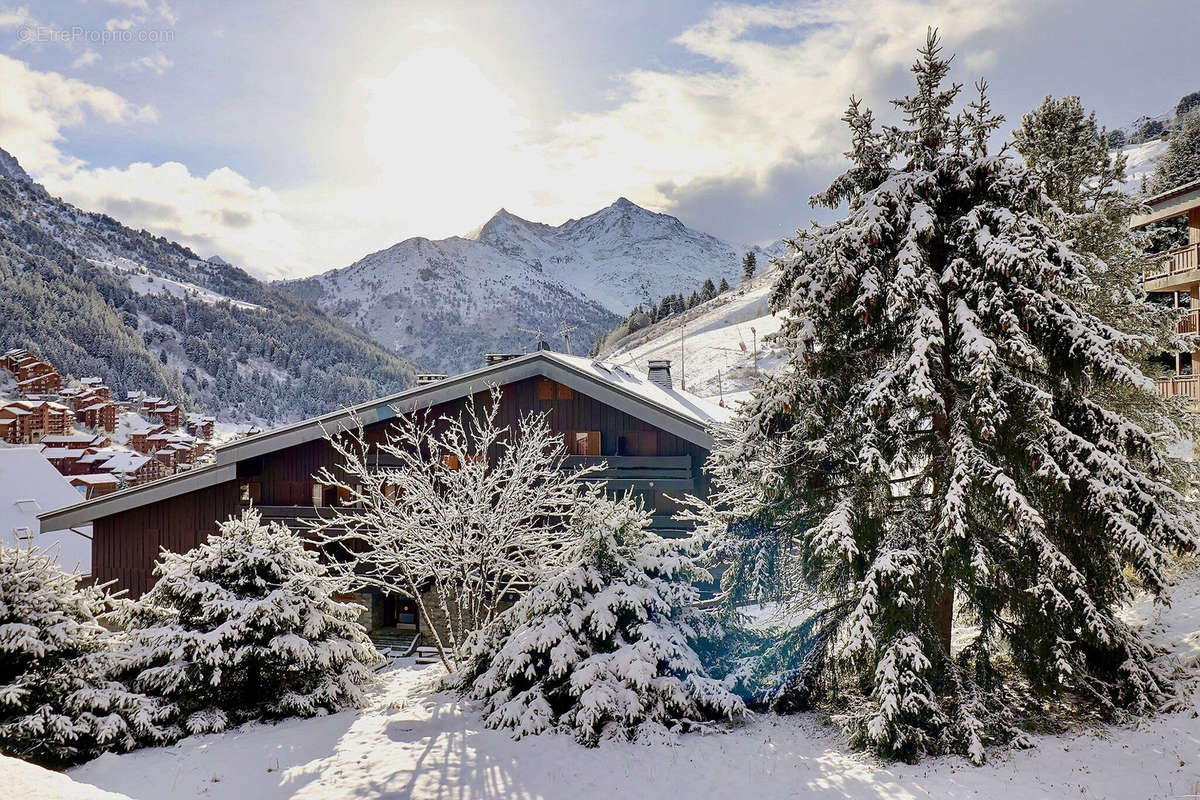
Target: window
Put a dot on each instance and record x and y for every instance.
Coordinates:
(251, 492)
(318, 495)
(583, 443)
(23, 535)
(549, 390)
(450, 461)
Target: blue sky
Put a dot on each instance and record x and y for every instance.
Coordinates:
(294, 137)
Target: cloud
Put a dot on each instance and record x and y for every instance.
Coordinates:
(85, 59)
(141, 13)
(779, 79)
(754, 116)
(156, 62)
(38, 106)
(16, 17)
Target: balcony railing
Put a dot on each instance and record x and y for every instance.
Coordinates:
(640, 472)
(1190, 323)
(1181, 259)
(1180, 386)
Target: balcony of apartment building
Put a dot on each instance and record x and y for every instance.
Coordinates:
(1178, 272)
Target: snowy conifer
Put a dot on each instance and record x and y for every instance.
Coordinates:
(58, 702)
(937, 448)
(1181, 163)
(244, 627)
(1063, 147)
(603, 650)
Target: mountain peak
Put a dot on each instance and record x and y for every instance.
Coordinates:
(11, 168)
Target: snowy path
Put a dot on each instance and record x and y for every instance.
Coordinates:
(413, 745)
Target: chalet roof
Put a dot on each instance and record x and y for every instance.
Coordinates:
(99, 478)
(672, 410)
(30, 485)
(1171, 203)
(69, 438)
(63, 452)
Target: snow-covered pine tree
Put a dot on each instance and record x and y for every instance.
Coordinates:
(935, 448)
(244, 627)
(603, 650)
(1181, 163)
(1062, 145)
(58, 701)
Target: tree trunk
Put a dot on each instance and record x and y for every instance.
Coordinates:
(943, 617)
(942, 600)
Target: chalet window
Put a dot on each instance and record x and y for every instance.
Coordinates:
(251, 492)
(450, 461)
(549, 390)
(318, 495)
(583, 443)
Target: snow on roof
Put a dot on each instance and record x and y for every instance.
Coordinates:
(62, 452)
(125, 462)
(98, 478)
(30, 485)
(636, 382)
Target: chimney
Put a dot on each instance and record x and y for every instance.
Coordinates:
(498, 358)
(543, 344)
(424, 379)
(659, 372)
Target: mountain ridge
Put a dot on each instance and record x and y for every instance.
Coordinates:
(443, 302)
(95, 297)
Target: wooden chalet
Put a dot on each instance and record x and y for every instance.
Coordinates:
(653, 438)
(94, 485)
(1178, 273)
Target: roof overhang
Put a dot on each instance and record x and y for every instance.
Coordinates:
(538, 364)
(1169, 204)
(128, 499)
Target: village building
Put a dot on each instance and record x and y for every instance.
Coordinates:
(652, 438)
(94, 485)
(67, 459)
(132, 469)
(200, 426)
(34, 419)
(1178, 274)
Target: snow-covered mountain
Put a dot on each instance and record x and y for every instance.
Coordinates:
(94, 297)
(444, 303)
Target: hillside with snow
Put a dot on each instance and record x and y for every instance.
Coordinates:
(442, 303)
(716, 347)
(94, 297)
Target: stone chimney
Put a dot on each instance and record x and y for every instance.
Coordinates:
(659, 372)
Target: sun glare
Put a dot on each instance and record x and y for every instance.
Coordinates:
(437, 121)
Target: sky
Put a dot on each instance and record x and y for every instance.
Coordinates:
(294, 137)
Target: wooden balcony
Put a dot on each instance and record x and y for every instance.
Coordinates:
(641, 473)
(1180, 386)
(1190, 323)
(1180, 268)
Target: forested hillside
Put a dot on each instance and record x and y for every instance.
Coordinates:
(96, 298)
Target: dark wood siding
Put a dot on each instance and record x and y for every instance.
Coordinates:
(125, 545)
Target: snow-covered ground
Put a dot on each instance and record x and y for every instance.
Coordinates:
(414, 743)
(143, 281)
(712, 346)
(1141, 160)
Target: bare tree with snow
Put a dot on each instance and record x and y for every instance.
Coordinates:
(458, 513)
